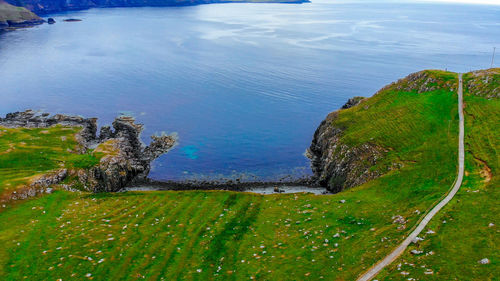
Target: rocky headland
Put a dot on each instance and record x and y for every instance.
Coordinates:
(15, 17)
(125, 159)
(338, 165)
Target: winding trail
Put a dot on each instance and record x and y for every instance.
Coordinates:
(374, 270)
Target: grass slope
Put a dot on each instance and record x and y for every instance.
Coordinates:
(463, 234)
(27, 153)
(17, 14)
(200, 235)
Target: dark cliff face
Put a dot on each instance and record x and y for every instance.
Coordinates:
(51, 6)
(338, 166)
(127, 159)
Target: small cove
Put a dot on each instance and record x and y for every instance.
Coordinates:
(243, 85)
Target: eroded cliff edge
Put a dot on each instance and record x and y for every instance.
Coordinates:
(123, 158)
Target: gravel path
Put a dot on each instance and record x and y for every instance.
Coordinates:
(373, 271)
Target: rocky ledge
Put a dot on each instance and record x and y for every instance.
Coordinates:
(126, 159)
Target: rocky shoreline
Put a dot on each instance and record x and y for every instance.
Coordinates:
(265, 188)
(127, 162)
(13, 17)
(338, 166)
(43, 7)
(130, 162)
(230, 185)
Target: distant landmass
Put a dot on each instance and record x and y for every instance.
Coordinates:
(51, 6)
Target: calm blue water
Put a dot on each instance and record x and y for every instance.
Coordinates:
(243, 85)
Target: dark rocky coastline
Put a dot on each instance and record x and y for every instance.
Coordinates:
(338, 166)
(42, 7)
(232, 185)
(129, 162)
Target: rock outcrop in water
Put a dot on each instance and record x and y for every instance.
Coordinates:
(126, 158)
(51, 6)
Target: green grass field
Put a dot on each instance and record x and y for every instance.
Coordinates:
(27, 153)
(467, 237)
(203, 235)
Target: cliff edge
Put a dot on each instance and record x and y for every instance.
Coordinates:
(13, 16)
(361, 141)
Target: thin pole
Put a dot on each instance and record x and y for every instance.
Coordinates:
(493, 57)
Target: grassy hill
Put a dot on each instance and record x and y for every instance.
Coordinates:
(203, 235)
(10, 14)
(466, 231)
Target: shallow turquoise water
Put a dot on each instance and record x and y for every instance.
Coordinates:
(243, 85)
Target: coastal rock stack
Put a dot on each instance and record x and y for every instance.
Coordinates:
(126, 159)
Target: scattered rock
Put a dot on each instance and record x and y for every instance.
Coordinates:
(417, 239)
(51, 21)
(416, 252)
(422, 82)
(478, 83)
(484, 261)
(398, 219)
(352, 102)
